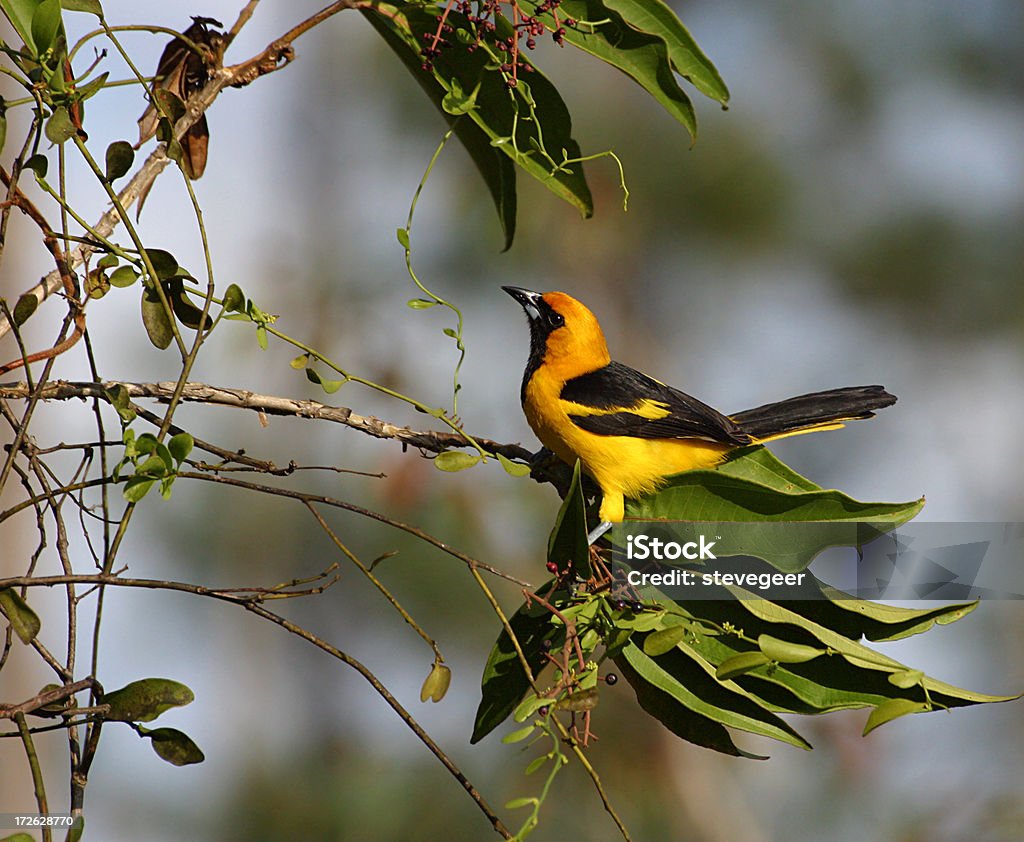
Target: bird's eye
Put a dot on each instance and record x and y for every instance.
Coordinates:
(556, 320)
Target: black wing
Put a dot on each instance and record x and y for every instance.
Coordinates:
(619, 397)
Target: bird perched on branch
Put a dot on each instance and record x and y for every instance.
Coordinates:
(630, 431)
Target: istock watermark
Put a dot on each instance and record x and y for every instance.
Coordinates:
(821, 560)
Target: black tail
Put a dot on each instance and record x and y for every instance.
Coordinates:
(807, 412)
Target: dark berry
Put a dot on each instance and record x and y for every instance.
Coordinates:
(611, 679)
(552, 567)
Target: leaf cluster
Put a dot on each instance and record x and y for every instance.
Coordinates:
(735, 662)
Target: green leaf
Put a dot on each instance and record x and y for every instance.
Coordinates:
(496, 169)
(329, 386)
(164, 263)
(146, 699)
(568, 540)
(825, 518)
(758, 464)
(505, 682)
(525, 801)
(92, 87)
(18, 837)
(688, 60)
(39, 164)
(234, 299)
(679, 718)
(180, 446)
(642, 56)
(175, 746)
(905, 679)
(136, 488)
(874, 666)
(436, 684)
(184, 310)
(536, 764)
(661, 641)
(20, 13)
(420, 303)
(146, 443)
(455, 460)
(108, 261)
(261, 337)
(516, 469)
(892, 709)
(91, 6)
(786, 652)
(156, 320)
(119, 159)
(403, 239)
(24, 309)
(499, 112)
(529, 706)
(692, 683)
(45, 25)
(855, 618)
(457, 102)
(121, 401)
(3, 124)
(123, 276)
(519, 735)
(59, 127)
(22, 618)
(740, 664)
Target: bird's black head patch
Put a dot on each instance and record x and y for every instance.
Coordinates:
(543, 319)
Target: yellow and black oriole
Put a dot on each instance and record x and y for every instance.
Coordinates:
(630, 431)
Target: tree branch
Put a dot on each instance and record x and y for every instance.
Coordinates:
(427, 440)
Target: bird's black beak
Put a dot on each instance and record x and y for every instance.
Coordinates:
(528, 299)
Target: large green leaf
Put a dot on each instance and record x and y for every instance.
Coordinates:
(756, 506)
(848, 676)
(503, 115)
(20, 14)
(861, 656)
(495, 167)
(676, 716)
(505, 682)
(644, 56)
(855, 618)
(656, 18)
(701, 693)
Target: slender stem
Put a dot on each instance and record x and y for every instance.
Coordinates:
(37, 773)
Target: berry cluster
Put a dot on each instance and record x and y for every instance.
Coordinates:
(482, 16)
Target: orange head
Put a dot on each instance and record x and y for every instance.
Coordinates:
(564, 335)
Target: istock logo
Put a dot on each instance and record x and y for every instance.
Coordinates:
(643, 547)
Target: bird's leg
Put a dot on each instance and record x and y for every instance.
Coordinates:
(598, 531)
